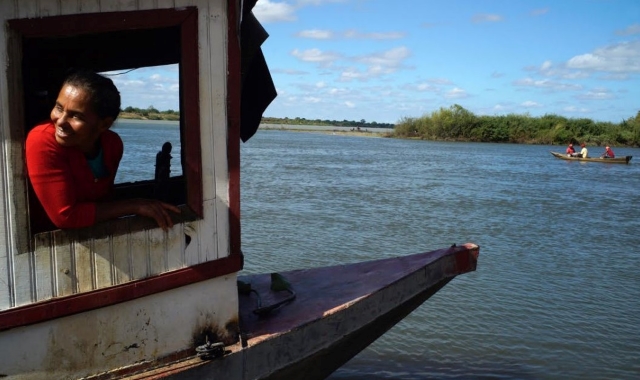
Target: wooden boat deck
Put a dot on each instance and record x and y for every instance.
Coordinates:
(329, 301)
(324, 291)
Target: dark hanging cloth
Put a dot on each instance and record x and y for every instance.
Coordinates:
(258, 90)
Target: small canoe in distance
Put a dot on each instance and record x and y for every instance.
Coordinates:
(617, 160)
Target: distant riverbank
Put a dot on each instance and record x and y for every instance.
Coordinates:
(343, 131)
(335, 130)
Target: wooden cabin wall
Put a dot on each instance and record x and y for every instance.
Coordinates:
(58, 265)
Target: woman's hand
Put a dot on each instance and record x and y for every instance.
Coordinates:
(150, 208)
(157, 210)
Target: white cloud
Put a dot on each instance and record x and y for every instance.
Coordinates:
(530, 104)
(315, 56)
(338, 91)
(288, 71)
(317, 2)
(631, 29)
(616, 76)
(389, 58)
(548, 69)
(597, 94)
(122, 84)
(574, 109)
(376, 64)
(350, 104)
(486, 18)
(316, 34)
(312, 99)
(148, 86)
(539, 12)
(617, 58)
(351, 73)
(439, 81)
(426, 87)
(456, 93)
(320, 84)
(546, 83)
(354, 34)
(546, 65)
(268, 11)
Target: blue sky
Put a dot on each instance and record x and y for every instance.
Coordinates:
(382, 60)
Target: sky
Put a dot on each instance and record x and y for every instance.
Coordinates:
(382, 60)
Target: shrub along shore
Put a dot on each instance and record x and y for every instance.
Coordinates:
(458, 124)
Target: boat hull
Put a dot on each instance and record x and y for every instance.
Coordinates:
(337, 313)
(617, 160)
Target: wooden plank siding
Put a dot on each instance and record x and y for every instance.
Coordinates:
(65, 263)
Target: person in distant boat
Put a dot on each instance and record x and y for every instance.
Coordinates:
(73, 158)
(570, 150)
(608, 153)
(584, 153)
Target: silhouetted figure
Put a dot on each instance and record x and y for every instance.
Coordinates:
(163, 171)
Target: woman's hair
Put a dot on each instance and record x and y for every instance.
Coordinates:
(105, 97)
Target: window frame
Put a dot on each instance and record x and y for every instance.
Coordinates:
(186, 19)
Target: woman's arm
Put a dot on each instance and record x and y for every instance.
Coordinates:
(144, 207)
(50, 176)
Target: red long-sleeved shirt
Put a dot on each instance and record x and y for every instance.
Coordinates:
(62, 179)
(609, 153)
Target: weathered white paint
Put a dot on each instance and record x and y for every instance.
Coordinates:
(59, 265)
(121, 334)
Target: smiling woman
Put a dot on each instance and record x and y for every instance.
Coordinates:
(72, 159)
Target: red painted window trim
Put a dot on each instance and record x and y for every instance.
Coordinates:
(233, 118)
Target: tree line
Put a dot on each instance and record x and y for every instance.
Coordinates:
(458, 124)
(149, 113)
(332, 123)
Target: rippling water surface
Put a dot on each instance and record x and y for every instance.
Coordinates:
(556, 294)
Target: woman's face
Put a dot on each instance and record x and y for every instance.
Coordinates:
(77, 125)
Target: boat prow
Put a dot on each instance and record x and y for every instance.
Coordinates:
(616, 160)
(337, 312)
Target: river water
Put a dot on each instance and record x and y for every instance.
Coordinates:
(556, 294)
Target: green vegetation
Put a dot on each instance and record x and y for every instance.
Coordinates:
(149, 113)
(332, 123)
(458, 124)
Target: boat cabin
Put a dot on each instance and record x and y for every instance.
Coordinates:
(78, 303)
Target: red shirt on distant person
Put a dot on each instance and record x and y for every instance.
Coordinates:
(608, 153)
(570, 150)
